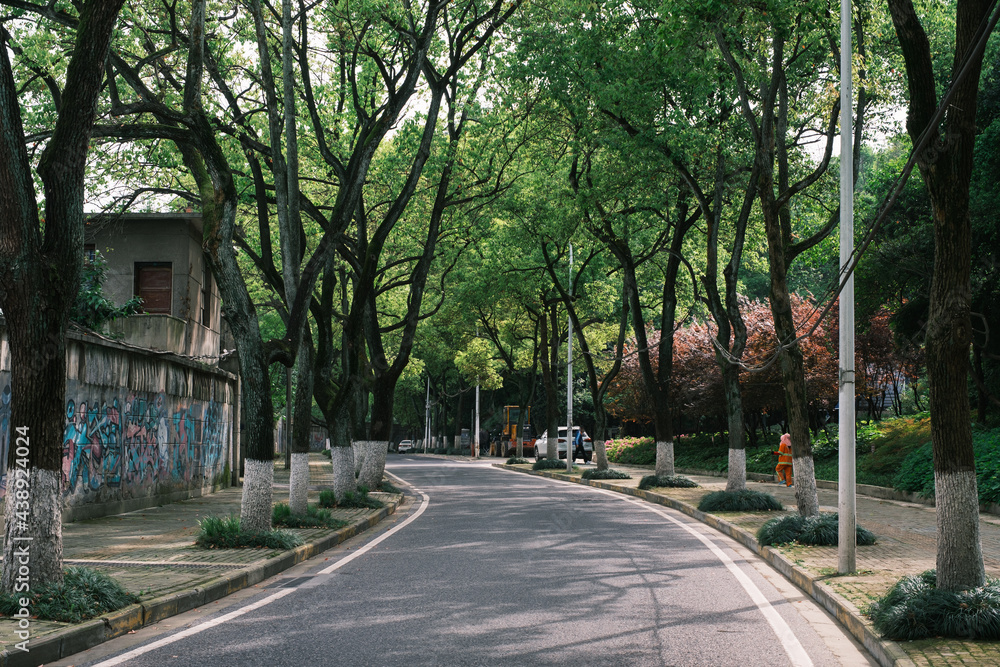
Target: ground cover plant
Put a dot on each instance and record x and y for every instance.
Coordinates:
(548, 464)
(84, 593)
(315, 517)
(517, 460)
(914, 608)
(386, 487)
(819, 530)
(224, 532)
(667, 481)
(352, 499)
(610, 473)
(744, 500)
(916, 473)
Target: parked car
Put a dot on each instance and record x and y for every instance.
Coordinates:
(584, 450)
(405, 446)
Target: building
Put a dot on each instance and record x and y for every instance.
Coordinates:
(159, 257)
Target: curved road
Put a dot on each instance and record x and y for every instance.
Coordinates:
(488, 567)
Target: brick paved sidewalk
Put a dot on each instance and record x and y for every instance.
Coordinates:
(906, 545)
(152, 553)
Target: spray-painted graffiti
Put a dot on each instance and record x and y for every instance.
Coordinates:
(134, 444)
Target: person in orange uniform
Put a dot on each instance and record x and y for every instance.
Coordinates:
(784, 467)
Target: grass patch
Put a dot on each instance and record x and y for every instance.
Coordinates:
(744, 500)
(915, 609)
(666, 481)
(820, 530)
(386, 487)
(84, 593)
(314, 517)
(517, 460)
(224, 532)
(610, 473)
(352, 500)
(548, 464)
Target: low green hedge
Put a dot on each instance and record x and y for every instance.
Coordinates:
(666, 481)
(610, 473)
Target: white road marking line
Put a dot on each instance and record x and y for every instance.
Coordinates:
(796, 652)
(135, 653)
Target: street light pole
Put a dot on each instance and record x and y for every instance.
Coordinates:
(847, 505)
(569, 375)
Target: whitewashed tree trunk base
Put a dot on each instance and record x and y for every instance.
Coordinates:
(804, 478)
(960, 549)
(359, 456)
(258, 483)
(664, 458)
(342, 459)
(298, 486)
(43, 504)
(737, 478)
(374, 463)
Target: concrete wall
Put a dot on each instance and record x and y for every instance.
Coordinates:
(142, 428)
(160, 237)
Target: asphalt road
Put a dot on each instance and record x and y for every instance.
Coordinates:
(488, 567)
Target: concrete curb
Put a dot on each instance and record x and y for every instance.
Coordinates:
(887, 653)
(81, 636)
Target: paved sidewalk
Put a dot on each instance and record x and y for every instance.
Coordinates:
(151, 552)
(906, 545)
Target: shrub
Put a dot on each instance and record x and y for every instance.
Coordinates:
(744, 500)
(610, 473)
(634, 451)
(548, 464)
(818, 530)
(313, 518)
(352, 499)
(224, 532)
(327, 453)
(915, 609)
(667, 481)
(517, 460)
(84, 593)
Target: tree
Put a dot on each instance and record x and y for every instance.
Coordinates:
(945, 146)
(41, 260)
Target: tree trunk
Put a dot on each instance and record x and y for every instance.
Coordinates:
(737, 476)
(40, 266)
(298, 486)
(946, 168)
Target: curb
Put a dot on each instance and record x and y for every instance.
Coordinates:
(886, 652)
(81, 636)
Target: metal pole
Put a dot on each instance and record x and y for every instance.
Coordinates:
(427, 415)
(569, 375)
(847, 506)
(475, 450)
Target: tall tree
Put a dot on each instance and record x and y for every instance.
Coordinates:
(945, 159)
(41, 260)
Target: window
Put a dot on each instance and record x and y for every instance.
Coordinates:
(154, 283)
(206, 296)
(89, 252)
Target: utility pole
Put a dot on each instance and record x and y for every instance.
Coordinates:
(847, 501)
(569, 375)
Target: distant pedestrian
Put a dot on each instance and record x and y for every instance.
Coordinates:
(784, 467)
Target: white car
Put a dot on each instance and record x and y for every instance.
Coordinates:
(583, 450)
(405, 446)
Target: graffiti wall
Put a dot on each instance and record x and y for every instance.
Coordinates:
(165, 437)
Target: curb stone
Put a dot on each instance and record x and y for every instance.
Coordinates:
(886, 652)
(81, 636)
